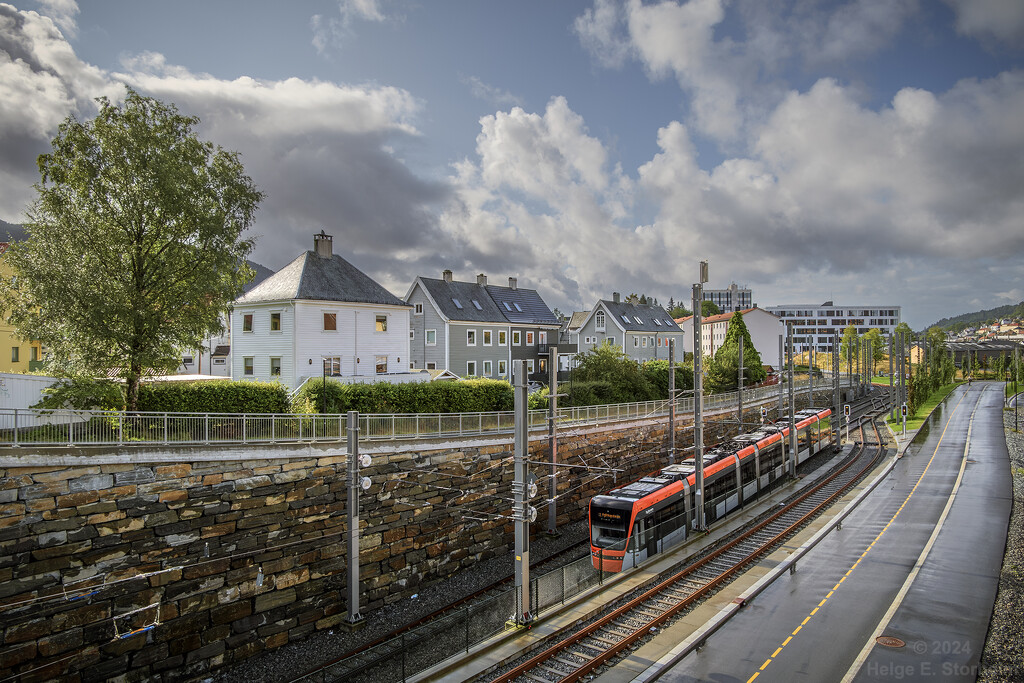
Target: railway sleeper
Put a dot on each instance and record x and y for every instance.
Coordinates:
(607, 642)
(559, 673)
(647, 611)
(534, 677)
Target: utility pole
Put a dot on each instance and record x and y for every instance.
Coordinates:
(698, 394)
(521, 513)
(835, 387)
(552, 436)
(671, 401)
(892, 394)
(355, 618)
(792, 405)
(810, 368)
(782, 366)
(739, 393)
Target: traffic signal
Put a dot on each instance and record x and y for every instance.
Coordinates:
(846, 410)
(903, 410)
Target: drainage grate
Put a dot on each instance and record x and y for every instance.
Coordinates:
(889, 641)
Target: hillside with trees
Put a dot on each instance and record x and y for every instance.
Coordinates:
(961, 322)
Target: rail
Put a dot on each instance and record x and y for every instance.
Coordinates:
(23, 427)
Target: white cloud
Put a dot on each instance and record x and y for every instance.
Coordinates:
(63, 13)
(488, 93)
(332, 31)
(987, 19)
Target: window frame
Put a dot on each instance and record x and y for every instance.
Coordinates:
(272, 359)
(247, 322)
(487, 339)
(529, 338)
(488, 368)
(248, 366)
(380, 324)
(427, 334)
(471, 368)
(332, 314)
(502, 337)
(517, 338)
(380, 361)
(470, 337)
(418, 309)
(275, 318)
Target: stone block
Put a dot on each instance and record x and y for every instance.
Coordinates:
(272, 599)
(90, 482)
(11, 655)
(225, 614)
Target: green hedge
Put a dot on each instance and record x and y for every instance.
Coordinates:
(213, 397)
(468, 396)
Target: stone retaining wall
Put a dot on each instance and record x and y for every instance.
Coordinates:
(215, 555)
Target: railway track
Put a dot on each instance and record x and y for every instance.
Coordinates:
(367, 661)
(590, 647)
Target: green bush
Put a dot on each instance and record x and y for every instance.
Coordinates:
(656, 372)
(213, 397)
(83, 393)
(467, 396)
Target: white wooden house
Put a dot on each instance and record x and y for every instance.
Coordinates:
(320, 315)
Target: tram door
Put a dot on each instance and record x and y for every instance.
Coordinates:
(646, 538)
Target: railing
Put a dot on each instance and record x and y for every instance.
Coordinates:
(97, 428)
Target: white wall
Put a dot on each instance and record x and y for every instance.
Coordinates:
(22, 391)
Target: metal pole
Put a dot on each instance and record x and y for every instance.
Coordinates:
(698, 405)
(519, 514)
(782, 386)
(792, 405)
(810, 367)
(835, 387)
(552, 435)
(892, 395)
(672, 401)
(739, 393)
(352, 534)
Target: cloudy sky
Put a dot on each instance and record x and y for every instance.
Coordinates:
(869, 152)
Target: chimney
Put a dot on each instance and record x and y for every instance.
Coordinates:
(322, 245)
(512, 283)
(615, 297)
(481, 280)
(446, 276)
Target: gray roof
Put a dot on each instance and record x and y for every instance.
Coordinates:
(522, 306)
(487, 303)
(321, 279)
(640, 317)
(577, 320)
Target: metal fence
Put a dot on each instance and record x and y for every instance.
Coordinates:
(97, 428)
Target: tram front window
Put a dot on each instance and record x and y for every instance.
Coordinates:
(608, 528)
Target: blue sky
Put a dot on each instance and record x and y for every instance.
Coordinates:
(867, 152)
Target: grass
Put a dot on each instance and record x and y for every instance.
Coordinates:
(915, 421)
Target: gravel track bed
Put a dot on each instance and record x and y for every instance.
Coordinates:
(1003, 656)
(285, 663)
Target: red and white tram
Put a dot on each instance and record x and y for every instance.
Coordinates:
(648, 516)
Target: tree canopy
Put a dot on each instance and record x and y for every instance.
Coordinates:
(135, 244)
(723, 370)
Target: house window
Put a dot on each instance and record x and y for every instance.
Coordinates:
(542, 338)
(516, 338)
(529, 366)
(247, 365)
(382, 364)
(330, 322)
(487, 368)
(219, 361)
(431, 337)
(382, 323)
(471, 368)
(644, 344)
(611, 341)
(412, 334)
(186, 360)
(543, 365)
(502, 337)
(431, 365)
(529, 338)
(419, 309)
(275, 367)
(332, 366)
(636, 342)
(34, 353)
(247, 322)
(275, 322)
(502, 368)
(599, 321)
(470, 337)
(487, 337)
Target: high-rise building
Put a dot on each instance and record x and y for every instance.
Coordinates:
(732, 299)
(815, 325)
